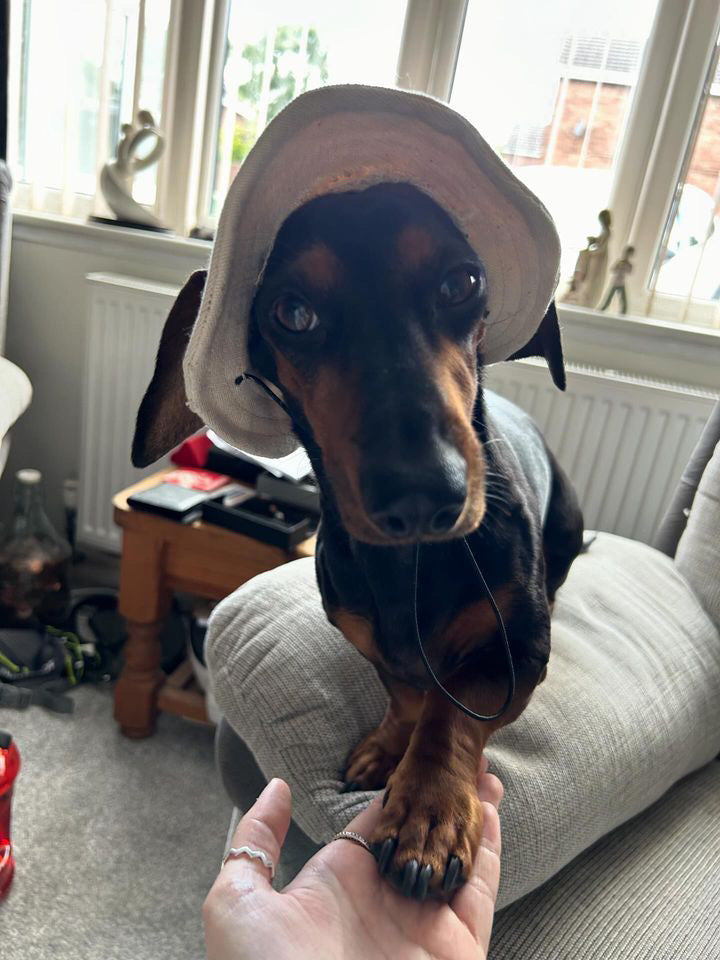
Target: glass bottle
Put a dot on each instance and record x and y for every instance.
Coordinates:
(34, 561)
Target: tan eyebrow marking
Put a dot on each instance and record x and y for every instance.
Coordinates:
(415, 246)
(320, 266)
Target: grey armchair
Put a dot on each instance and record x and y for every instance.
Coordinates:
(599, 878)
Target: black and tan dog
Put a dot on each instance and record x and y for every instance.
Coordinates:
(370, 321)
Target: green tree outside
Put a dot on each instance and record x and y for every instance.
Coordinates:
(285, 84)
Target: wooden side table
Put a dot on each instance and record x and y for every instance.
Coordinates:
(160, 556)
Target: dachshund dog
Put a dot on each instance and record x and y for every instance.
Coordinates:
(369, 319)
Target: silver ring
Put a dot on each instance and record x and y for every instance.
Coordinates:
(354, 838)
(253, 854)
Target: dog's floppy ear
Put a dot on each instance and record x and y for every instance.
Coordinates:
(547, 343)
(164, 419)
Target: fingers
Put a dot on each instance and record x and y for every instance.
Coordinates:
(490, 788)
(474, 903)
(365, 821)
(264, 827)
(346, 858)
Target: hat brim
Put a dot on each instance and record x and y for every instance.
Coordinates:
(337, 139)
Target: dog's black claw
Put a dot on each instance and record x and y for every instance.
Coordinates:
(409, 877)
(454, 869)
(386, 797)
(349, 787)
(423, 881)
(384, 856)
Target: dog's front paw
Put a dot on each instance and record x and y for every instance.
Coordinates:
(370, 764)
(429, 831)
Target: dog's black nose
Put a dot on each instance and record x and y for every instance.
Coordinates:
(416, 515)
(426, 501)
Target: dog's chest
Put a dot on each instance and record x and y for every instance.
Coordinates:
(376, 606)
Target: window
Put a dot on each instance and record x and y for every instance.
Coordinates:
(278, 49)
(550, 87)
(688, 261)
(85, 68)
(612, 104)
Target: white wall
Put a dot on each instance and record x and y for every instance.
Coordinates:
(46, 331)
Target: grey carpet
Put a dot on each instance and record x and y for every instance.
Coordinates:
(117, 841)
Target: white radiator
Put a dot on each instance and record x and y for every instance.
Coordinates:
(624, 442)
(125, 319)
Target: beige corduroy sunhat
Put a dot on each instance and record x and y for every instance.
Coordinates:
(342, 138)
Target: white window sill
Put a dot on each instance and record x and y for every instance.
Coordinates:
(83, 235)
(658, 349)
(640, 346)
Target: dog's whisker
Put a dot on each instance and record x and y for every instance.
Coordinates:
(495, 487)
(505, 507)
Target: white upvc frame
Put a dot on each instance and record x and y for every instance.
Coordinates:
(218, 43)
(430, 45)
(661, 169)
(643, 120)
(187, 80)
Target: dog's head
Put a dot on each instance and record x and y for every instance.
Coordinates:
(370, 319)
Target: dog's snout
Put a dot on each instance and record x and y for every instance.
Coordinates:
(426, 500)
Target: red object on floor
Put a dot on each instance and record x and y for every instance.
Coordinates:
(192, 452)
(9, 769)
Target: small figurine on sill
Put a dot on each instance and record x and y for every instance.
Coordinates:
(620, 269)
(116, 176)
(588, 279)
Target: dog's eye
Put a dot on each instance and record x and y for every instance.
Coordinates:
(294, 314)
(460, 284)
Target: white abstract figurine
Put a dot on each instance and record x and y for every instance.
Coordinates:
(618, 273)
(588, 280)
(116, 177)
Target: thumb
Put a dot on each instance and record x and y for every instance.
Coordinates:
(263, 828)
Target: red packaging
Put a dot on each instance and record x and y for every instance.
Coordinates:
(9, 769)
(195, 479)
(192, 452)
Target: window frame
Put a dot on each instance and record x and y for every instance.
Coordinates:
(35, 198)
(662, 166)
(658, 127)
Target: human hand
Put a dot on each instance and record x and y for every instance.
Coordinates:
(339, 906)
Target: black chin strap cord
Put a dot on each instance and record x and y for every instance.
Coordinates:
(503, 633)
(261, 383)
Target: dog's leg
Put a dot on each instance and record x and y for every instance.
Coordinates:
(378, 754)
(431, 824)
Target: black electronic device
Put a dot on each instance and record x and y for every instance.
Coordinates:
(171, 501)
(262, 518)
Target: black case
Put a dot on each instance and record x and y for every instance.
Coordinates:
(171, 501)
(247, 517)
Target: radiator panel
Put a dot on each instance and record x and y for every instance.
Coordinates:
(624, 442)
(125, 320)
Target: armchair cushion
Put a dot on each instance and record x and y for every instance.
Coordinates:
(629, 705)
(698, 552)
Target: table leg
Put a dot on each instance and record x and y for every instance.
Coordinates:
(144, 601)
